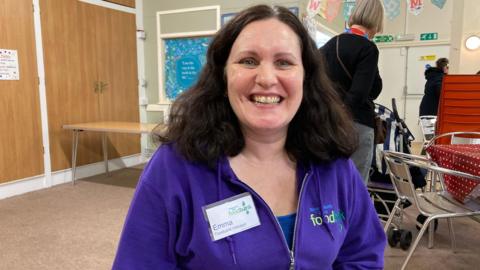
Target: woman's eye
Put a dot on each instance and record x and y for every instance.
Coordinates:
(284, 63)
(248, 62)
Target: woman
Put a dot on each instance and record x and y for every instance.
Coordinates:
(433, 87)
(352, 60)
(253, 172)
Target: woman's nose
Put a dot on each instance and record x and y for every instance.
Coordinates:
(266, 75)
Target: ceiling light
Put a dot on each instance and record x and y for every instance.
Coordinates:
(472, 43)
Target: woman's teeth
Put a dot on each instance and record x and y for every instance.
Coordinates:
(266, 99)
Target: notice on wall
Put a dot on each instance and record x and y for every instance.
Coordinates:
(184, 59)
(431, 57)
(9, 65)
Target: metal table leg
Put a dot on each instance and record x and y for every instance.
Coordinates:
(105, 152)
(74, 153)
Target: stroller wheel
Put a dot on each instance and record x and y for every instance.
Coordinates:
(393, 236)
(405, 239)
(421, 219)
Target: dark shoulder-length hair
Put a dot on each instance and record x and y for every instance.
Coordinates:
(204, 127)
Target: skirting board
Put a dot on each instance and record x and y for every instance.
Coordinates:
(39, 182)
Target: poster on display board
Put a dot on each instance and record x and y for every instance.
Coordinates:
(184, 60)
(9, 65)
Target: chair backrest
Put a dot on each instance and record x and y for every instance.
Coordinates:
(399, 165)
(427, 125)
(399, 168)
(401, 178)
(459, 137)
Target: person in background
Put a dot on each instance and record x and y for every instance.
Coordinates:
(433, 87)
(253, 172)
(352, 60)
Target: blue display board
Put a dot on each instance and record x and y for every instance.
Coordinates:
(184, 59)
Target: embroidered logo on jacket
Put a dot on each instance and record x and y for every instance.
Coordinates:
(327, 214)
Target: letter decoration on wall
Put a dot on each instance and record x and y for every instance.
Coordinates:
(415, 6)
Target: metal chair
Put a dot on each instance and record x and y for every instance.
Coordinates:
(432, 204)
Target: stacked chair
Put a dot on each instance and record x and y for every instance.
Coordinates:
(459, 105)
(427, 125)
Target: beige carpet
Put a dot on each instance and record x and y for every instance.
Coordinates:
(77, 227)
(66, 227)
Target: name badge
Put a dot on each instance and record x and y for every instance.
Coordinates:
(231, 216)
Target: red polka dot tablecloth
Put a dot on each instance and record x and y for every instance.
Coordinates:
(459, 157)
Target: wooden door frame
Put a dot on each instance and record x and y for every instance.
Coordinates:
(164, 103)
(111, 5)
(48, 178)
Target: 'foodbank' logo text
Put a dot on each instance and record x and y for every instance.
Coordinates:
(237, 209)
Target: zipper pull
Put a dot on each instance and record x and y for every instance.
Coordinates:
(292, 261)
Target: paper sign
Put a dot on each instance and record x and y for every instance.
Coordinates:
(9, 65)
(428, 57)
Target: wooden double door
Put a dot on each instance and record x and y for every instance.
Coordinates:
(21, 146)
(91, 75)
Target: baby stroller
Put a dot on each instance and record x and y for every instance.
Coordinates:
(380, 187)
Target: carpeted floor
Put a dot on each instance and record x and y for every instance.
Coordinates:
(77, 227)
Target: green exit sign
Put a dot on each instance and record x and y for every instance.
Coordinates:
(383, 38)
(429, 36)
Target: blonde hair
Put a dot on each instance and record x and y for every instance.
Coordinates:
(369, 14)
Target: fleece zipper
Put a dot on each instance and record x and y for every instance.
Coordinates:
(291, 253)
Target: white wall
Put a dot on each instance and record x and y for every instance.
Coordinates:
(469, 62)
(455, 22)
(401, 64)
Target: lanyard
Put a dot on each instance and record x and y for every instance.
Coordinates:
(357, 31)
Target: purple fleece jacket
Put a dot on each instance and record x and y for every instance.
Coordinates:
(336, 227)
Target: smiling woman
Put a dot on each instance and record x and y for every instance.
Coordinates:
(262, 128)
(265, 79)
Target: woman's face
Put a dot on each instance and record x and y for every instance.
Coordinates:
(265, 76)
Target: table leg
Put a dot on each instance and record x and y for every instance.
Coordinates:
(74, 154)
(105, 152)
(431, 231)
